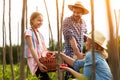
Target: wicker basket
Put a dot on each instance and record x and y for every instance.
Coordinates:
(50, 62)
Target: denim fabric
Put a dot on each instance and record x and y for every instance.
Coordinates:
(78, 64)
(103, 71)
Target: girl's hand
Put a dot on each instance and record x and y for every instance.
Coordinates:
(42, 68)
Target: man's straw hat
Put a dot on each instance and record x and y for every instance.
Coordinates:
(78, 5)
(99, 38)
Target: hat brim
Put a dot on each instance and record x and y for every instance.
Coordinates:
(88, 36)
(85, 11)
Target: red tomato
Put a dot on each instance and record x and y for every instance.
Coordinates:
(63, 65)
(49, 54)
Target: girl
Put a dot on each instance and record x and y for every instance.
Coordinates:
(102, 69)
(35, 47)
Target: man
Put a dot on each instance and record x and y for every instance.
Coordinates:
(73, 29)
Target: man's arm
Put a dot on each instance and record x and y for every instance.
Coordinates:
(76, 51)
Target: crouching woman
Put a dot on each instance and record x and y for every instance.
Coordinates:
(102, 70)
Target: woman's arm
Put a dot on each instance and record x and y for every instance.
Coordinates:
(73, 72)
(67, 59)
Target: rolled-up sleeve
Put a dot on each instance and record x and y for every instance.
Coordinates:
(67, 29)
(68, 33)
(78, 64)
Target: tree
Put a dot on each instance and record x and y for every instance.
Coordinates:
(11, 56)
(4, 52)
(113, 54)
(22, 61)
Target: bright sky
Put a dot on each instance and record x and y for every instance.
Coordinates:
(100, 16)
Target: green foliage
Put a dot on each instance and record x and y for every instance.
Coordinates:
(53, 46)
(8, 74)
(52, 75)
(83, 78)
(31, 77)
(1, 72)
(15, 50)
(84, 48)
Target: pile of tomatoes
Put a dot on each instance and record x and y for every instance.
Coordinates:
(50, 62)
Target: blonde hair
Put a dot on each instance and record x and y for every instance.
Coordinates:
(33, 16)
(101, 50)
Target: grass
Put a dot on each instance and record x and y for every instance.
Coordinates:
(8, 74)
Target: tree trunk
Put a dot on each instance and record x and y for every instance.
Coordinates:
(26, 13)
(58, 55)
(50, 30)
(93, 55)
(18, 48)
(22, 61)
(113, 55)
(4, 52)
(60, 33)
(117, 20)
(11, 56)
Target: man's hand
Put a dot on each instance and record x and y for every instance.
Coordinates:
(80, 56)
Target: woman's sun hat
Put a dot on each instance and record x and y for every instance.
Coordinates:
(78, 5)
(99, 38)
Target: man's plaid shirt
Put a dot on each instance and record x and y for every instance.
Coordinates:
(72, 29)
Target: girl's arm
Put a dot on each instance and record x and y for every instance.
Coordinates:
(33, 52)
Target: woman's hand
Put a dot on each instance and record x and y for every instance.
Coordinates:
(64, 67)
